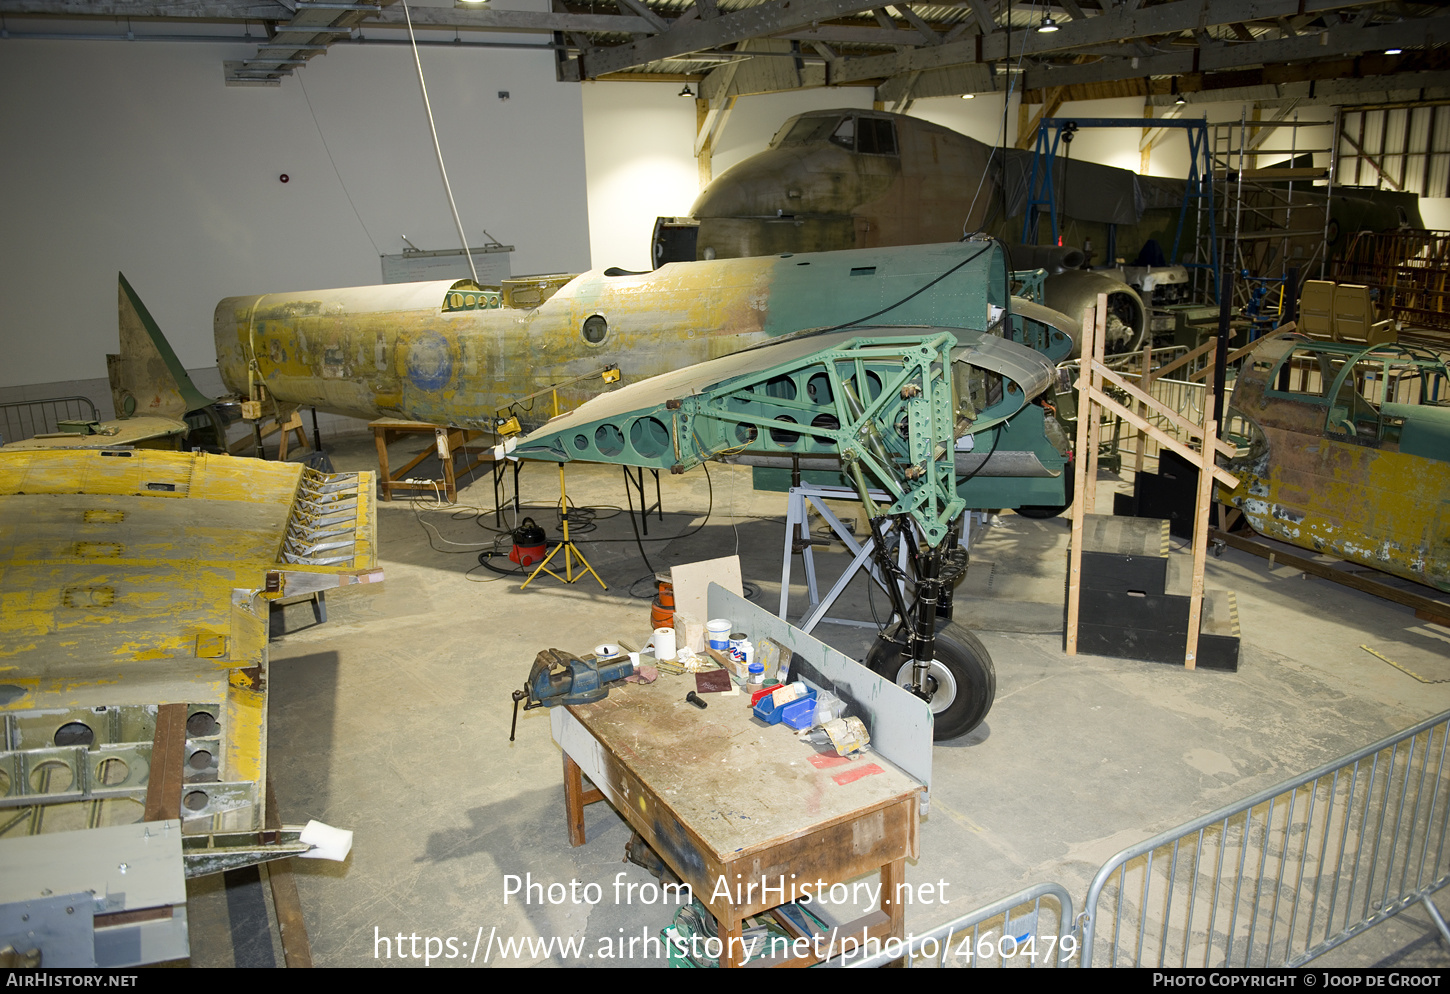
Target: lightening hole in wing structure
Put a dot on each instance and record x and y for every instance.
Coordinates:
(782, 437)
(649, 437)
(201, 724)
(781, 387)
(75, 733)
(609, 440)
(818, 389)
(581, 443)
(825, 421)
(195, 800)
(112, 772)
(51, 777)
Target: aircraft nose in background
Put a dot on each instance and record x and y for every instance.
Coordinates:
(812, 180)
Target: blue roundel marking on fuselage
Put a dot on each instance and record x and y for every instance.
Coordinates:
(430, 361)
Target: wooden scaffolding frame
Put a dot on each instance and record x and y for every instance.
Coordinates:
(1092, 398)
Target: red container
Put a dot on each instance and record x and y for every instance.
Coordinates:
(529, 544)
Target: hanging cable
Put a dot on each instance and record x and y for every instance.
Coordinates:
(1002, 132)
(433, 128)
(336, 171)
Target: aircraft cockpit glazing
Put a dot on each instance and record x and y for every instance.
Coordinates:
(865, 135)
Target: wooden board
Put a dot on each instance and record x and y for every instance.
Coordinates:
(692, 584)
(1427, 607)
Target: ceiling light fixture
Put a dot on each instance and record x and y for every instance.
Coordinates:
(969, 96)
(685, 91)
(1047, 26)
(1393, 51)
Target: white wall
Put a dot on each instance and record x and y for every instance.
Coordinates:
(1436, 212)
(640, 164)
(979, 118)
(639, 142)
(135, 157)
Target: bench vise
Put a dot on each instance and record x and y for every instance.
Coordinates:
(558, 677)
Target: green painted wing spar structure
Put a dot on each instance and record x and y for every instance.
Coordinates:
(890, 401)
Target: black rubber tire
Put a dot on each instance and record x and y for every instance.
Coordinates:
(962, 668)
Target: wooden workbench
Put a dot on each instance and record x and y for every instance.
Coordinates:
(717, 793)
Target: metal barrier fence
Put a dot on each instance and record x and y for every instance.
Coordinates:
(1275, 880)
(24, 419)
(1183, 397)
(1008, 933)
(1288, 874)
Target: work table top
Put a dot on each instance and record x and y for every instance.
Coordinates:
(736, 782)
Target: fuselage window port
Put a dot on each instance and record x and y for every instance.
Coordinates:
(595, 328)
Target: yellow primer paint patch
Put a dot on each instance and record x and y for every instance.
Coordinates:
(244, 753)
(113, 596)
(97, 550)
(88, 597)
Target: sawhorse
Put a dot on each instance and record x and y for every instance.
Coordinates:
(797, 515)
(291, 425)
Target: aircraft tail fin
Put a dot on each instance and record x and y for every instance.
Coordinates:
(147, 377)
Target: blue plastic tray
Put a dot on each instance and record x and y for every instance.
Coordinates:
(767, 712)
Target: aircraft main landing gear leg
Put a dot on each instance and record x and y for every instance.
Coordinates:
(940, 661)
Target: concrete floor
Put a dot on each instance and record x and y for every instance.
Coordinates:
(393, 719)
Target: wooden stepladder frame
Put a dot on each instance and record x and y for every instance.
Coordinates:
(1092, 399)
(1149, 375)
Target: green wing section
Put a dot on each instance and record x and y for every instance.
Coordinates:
(890, 402)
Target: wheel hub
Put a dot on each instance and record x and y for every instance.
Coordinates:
(939, 683)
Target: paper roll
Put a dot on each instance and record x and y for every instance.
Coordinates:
(328, 842)
(665, 644)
